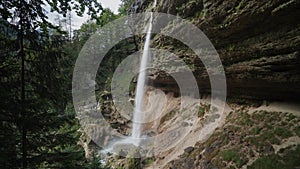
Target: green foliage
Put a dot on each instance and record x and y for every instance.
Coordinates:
(112, 59)
(38, 124)
(229, 155)
(231, 47)
(268, 136)
(133, 163)
(290, 159)
(149, 161)
(201, 111)
(95, 163)
(256, 130)
(35, 15)
(106, 16)
(89, 28)
(204, 108)
(233, 155)
(267, 162)
(245, 119)
(282, 132)
(125, 6)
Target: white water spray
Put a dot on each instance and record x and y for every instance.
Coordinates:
(140, 90)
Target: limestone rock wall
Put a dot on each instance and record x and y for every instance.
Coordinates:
(258, 42)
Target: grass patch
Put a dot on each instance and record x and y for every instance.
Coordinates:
(148, 161)
(269, 136)
(265, 138)
(234, 156)
(234, 128)
(245, 119)
(201, 111)
(258, 116)
(267, 162)
(256, 130)
(254, 141)
(282, 132)
(287, 161)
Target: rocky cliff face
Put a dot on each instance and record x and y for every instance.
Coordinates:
(258, 43)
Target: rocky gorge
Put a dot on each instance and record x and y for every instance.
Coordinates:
(258, 43)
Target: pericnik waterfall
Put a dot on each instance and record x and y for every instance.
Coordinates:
(140, 90)
(150, 84)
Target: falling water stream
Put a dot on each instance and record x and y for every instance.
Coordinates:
(136, 135)
(140, 90)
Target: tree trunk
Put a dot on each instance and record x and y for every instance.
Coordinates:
(23, 111)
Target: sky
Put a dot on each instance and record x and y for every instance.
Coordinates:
(78, 21)
(112, 4)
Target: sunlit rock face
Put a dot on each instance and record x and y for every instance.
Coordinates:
(258, 43)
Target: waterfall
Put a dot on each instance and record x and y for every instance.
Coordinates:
(140, 90)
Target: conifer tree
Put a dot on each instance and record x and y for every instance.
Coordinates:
(38, 127)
